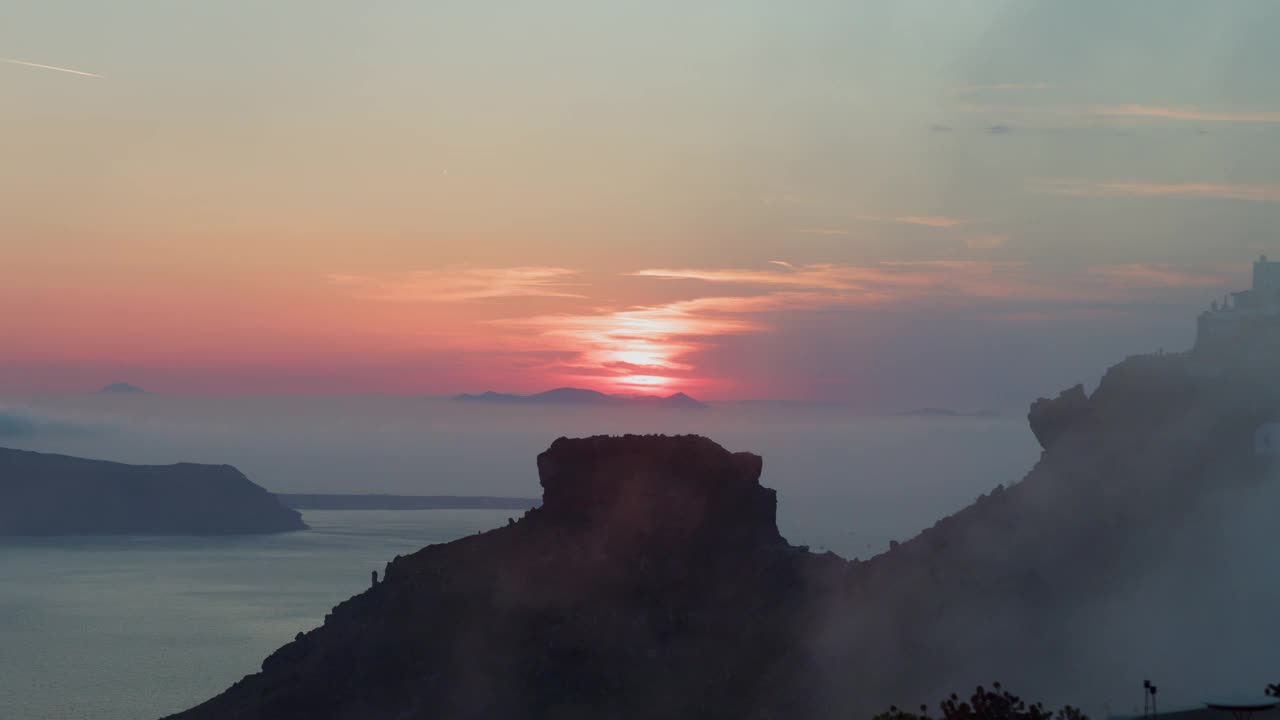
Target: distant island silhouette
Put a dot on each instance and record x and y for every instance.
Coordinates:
(44, 494)
(375, 501)
(121, 388)
(580, 396)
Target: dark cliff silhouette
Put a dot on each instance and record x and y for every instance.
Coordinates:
(42, 494)
(653, 582)
(579, 396)
(1049, 419)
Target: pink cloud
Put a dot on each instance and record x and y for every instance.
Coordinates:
(1129, 113)
(460, 284)
(1157, 112)
(1145, 275)
(899, 282)
(932, 221)
(823, 231)
(987, 242)
(1002, 87)
(830, 277)
(663, 346)
(1101, 188)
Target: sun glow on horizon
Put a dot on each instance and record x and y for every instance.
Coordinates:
(640, 347)
(645, 380)
(645, 355)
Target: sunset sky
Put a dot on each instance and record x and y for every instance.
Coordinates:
(882, 203)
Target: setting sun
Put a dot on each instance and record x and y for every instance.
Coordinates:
(647, 381)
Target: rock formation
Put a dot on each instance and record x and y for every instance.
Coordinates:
(42, 494)
(653, 583)
(1050, 418)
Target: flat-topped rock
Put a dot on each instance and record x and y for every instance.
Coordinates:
(654, 488)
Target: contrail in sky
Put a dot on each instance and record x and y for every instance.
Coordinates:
(49, 67)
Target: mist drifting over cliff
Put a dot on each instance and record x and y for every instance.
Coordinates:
(1138, 546)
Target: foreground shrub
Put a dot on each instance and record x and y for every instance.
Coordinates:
(994, 704)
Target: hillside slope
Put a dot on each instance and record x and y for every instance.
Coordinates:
(653, 582)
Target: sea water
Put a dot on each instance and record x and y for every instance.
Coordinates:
(129, 628)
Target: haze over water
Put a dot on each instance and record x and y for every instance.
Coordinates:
(846, 481)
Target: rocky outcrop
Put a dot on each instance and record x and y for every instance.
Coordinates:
(1049, 419)
(647, 492)
(42, 494)
(653, 583)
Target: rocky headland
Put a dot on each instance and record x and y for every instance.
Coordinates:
(43, 494)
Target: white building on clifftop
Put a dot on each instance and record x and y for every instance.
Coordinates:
(1244, 327)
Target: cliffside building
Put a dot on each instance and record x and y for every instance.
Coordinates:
(1244, 329)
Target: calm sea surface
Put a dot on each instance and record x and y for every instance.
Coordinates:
(138, 627)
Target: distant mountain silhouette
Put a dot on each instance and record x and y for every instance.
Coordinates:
(122, 388)
(580, 396)
(42, 494)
